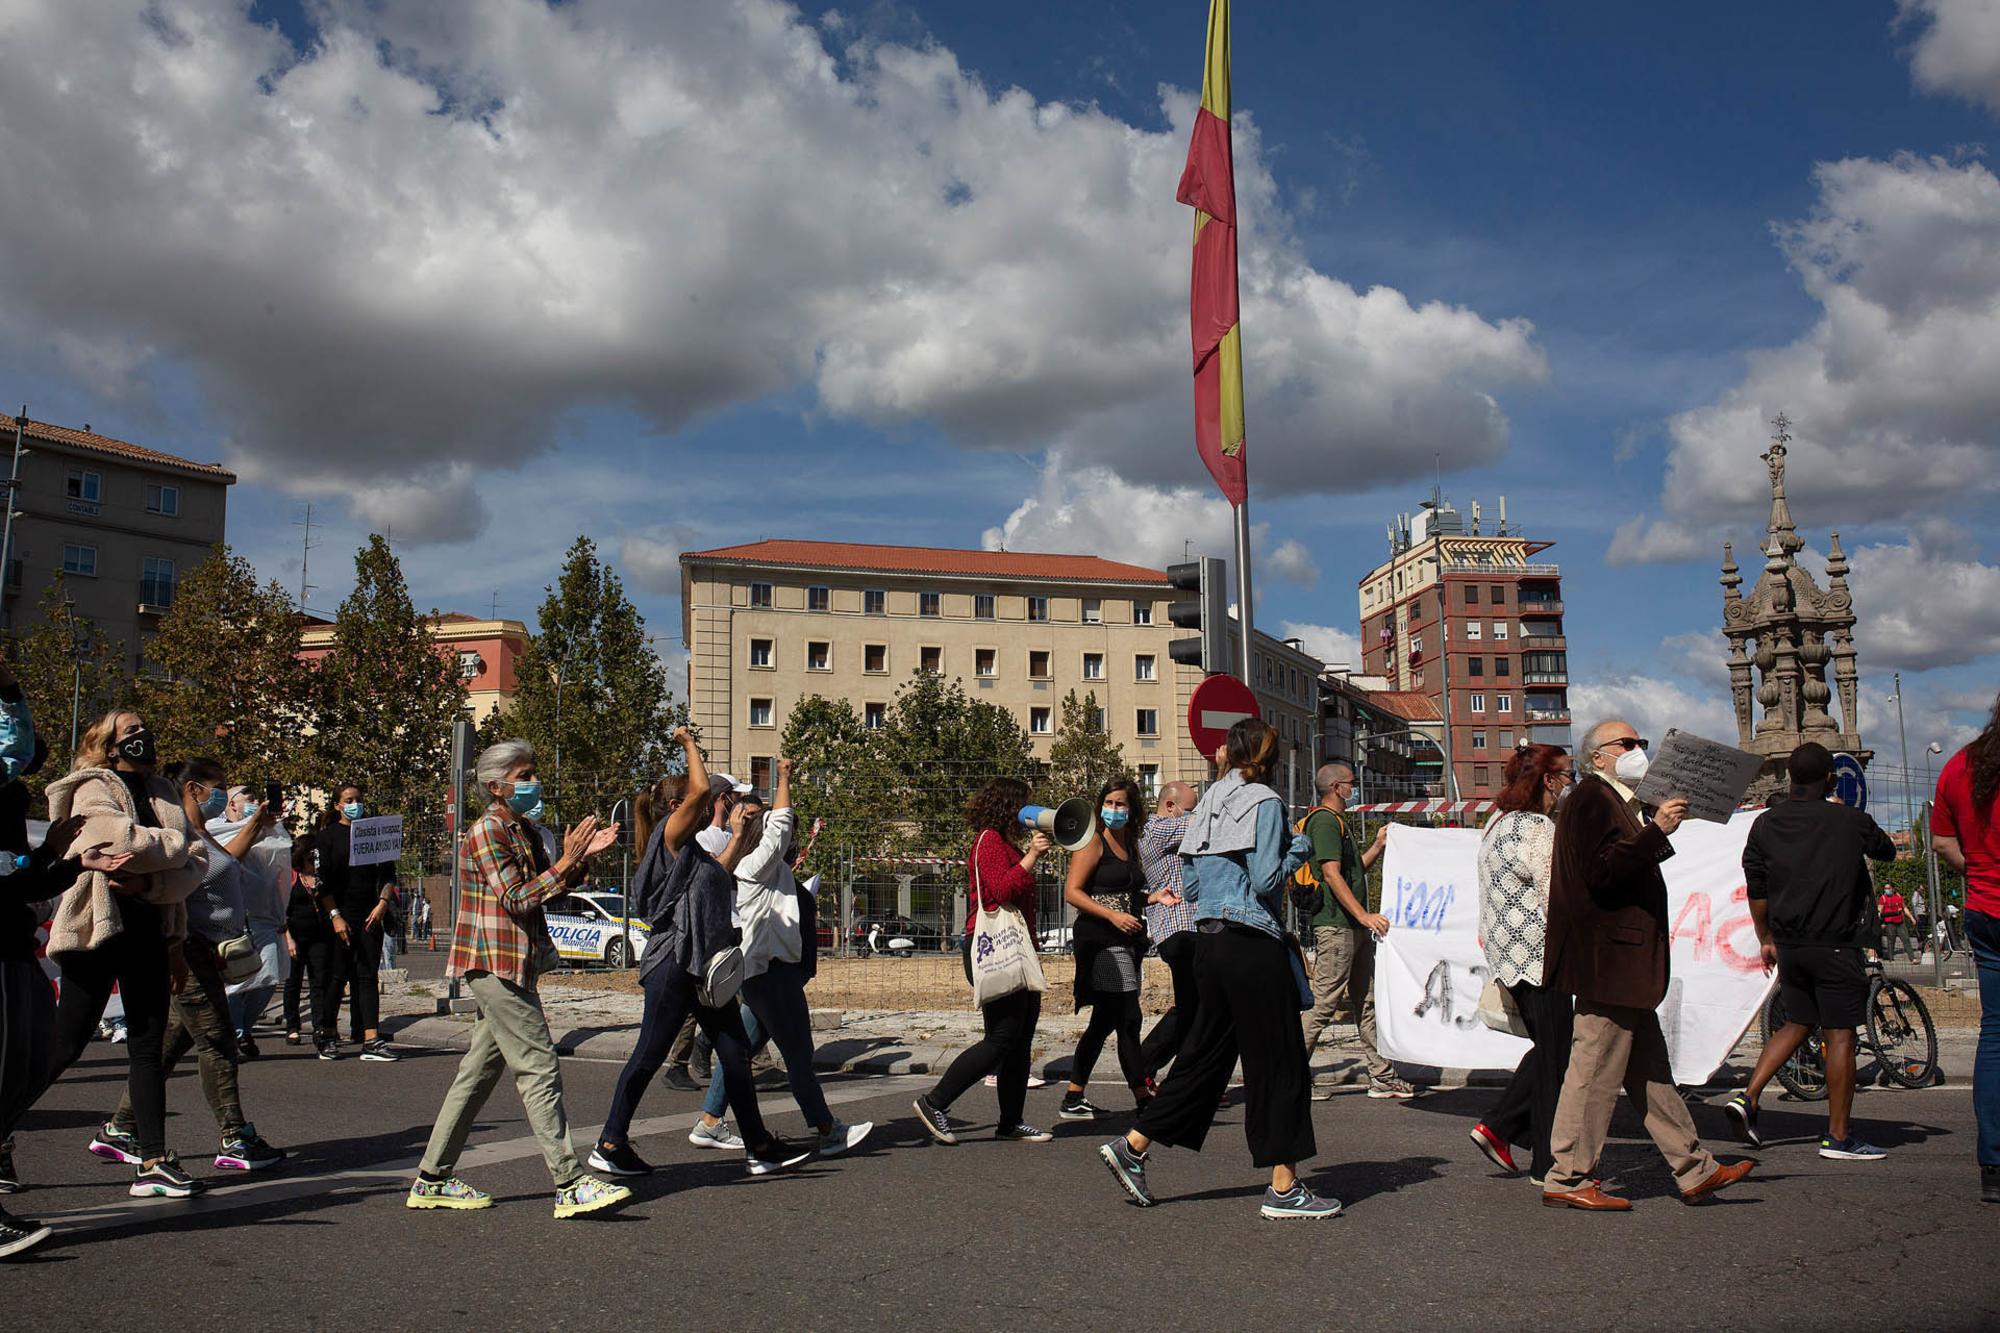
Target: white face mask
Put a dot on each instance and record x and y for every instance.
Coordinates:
(1631, 766)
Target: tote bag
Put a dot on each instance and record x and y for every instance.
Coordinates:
(1003, 956)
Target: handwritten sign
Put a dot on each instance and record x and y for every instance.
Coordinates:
(374, 840)
(1710, 775)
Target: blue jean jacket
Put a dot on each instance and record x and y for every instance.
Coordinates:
(17, 738)
(1248, 888)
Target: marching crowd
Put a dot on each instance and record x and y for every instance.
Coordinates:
(148, 881)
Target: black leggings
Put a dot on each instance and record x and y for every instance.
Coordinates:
(669, 991)
(1007, 1050)
(135, 960)
(1249, 1005)
(1163, 1043)
(27, 1021)
(1108, 1014)
(358, 962)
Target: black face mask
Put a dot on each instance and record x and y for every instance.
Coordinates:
(138, 748)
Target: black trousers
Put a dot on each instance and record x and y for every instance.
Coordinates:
(1249, 1006)
(27, 1024)
(1527, 1107)
(1108, 1014)
(134, 960)
(359, 960)
(1007, 1050)
(670, 1002)
(1164, 1041)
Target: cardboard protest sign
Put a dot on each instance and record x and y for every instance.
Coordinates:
(374, 840)
(1710, 775)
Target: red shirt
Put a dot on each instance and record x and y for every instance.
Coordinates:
(1000, 881)
(1977, 831)
(1891, 906)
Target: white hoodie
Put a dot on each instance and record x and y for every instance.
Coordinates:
(767, 898)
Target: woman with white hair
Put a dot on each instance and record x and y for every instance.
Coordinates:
(501, 947)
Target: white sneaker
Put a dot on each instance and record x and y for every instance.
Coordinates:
(1034, 1081)
(721, 1134)
(844, 1137)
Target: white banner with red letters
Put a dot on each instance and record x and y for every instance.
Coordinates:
(1429, 969)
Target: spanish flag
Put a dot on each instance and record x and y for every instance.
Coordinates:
(1208, 185)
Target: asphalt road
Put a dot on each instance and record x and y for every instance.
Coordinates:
(986, 1235)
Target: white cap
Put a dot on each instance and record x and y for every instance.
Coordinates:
(729, 782)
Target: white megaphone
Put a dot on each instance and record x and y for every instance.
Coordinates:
(1070, 825)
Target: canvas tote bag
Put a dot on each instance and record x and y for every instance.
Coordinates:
(1003, 955)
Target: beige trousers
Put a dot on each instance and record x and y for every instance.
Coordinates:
(510, 1034)
(1343, 982)
(1618, 1047)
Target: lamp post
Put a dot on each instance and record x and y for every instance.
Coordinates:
(76, 662)
(1937, 915)
(1909, 804)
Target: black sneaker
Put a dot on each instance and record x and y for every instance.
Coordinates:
(1130, 1169)
(164, 1179)
(10, 1179)
(115, 1145)
(1989, 1184)
(678, 1078)
(376, 1050)
(775, 1155)
(619, 1161)
(18, 1234)
(935, 1122)
(1023, 1133)
(246, 1046)
(1742, 1113)
(701, 1072)
(244, 1149)
(1076, 1106)
(328, 1050)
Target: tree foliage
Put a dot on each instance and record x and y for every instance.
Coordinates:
(1082, 757)
(62, 660)
(839, 775)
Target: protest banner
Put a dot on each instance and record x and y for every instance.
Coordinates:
(1710, 775)
(1429, 969)
(374, 840)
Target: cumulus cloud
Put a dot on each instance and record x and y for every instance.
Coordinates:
(1331, 645)
(437, 505)
(1293, 563)
(1923, 603)
(1957, 50)
(1652, 704)
(1894, 391)
(652, 560)
(445, 222)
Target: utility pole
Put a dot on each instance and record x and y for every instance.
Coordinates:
(7, 541)
(305, 557)
(1909, 802)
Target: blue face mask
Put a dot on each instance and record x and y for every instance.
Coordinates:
(527, 795)
(533, 814)
(352, 809)
(213, 803)
(1114, 818)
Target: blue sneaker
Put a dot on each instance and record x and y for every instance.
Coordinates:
(1850, 1149)
(1298, 1201)
(1742, 1113)
(1130, 1169)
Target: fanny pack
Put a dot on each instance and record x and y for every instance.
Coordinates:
(239, 958)
(721, 978)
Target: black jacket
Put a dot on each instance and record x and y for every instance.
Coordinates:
(1804, 858)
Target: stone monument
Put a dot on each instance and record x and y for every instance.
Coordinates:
(1789, 630)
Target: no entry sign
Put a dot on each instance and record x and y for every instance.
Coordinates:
(1217, 704)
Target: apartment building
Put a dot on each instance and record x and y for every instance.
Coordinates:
(1475, 622)
(1393, 739)
(771, 622)
(122, 523)
(487, 652)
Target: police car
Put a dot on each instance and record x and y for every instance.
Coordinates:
(590, 928)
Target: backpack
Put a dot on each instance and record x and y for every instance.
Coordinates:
(1307, 893)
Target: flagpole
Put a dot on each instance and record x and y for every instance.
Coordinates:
(1243, 585)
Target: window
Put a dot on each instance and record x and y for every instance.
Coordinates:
(1503, 666)
(1499, 594)
(1093, 666)
(1475, 667)
(80, 560)
(931, 658)
(875, 658)
(874, 716)
(1142, 614)
(760, 774)
(1478, 740)
(1038, 664)
(982, 606)
(1500, 630)
(1480, 775)
(929, 604)
(819, 656)
(156, 581)
(760, 653)
(1142, 667)
(1472, 594)
(1149, 781)
(1038, 608)
(1038, 721)
(760, 595)
(470, 664)
(86, 486)
(165, 500)
(1149, 721)
(874, 602)
(1503, 703)
(760, 712)
(985, 662)
(1472, 630)
(1416, 644)
(1098, 721)
(818, 598)
(1478, 703)
(1506, 740)
(1093, 610)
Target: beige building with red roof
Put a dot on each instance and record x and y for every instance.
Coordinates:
(771, 622)
(121, 522)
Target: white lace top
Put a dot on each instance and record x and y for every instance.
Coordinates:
(1515, 855)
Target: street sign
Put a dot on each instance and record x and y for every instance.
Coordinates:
(1850, 784)
(1217, 704)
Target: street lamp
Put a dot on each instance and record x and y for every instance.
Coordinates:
(76, 661)
(1361, 738)
(1909, 804)
(1937, 913)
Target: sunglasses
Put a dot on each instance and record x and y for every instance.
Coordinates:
(1626, 743)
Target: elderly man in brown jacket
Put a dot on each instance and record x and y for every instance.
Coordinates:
(1607, 945)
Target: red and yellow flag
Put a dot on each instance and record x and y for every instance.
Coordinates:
(1209, 186)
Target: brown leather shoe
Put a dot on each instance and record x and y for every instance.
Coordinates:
(1722, 1178)
(1591, 1197)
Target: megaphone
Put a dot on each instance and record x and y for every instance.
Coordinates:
(1070, 825)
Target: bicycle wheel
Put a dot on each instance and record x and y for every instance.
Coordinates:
(1804, 1075)
(1899, 1028)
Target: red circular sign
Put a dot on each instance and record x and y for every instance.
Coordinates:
(1217, 704)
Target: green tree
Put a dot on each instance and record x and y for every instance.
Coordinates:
(593, 696)
(838, 774)
(230, 683)
(65, 660)
(1082, 757)
(937, 747)
(386, 697)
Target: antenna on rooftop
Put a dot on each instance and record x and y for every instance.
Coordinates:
(305, 556)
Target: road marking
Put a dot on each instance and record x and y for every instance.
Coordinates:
(255, 1192)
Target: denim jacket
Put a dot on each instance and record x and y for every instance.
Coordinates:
(1248, 888)
(17, 738)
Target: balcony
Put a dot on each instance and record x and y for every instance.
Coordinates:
(1546, 714)
(1536, 641)
(1463, 566)
(1545, 678)
(1530, 606)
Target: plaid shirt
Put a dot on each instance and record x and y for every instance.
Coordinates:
(1160, 858)
(500, 924)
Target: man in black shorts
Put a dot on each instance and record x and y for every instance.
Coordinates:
(1813, 907)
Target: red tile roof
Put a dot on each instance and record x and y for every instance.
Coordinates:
(930, 560)
(104, 444)
(1407, 704)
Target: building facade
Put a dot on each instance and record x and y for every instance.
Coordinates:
(488, 653)
(1393, 739)
(769, 623)
(1475, 622)
(120, 522)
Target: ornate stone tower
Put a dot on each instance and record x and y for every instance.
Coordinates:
(1789, 630)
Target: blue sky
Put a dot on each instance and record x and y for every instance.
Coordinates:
(685, 275)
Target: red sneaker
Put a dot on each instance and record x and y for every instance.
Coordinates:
(1495, 1148)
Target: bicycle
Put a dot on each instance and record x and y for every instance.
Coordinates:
(1899, 1034)
(1947, 934)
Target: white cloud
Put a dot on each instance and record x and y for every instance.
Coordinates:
(1646, 540)
(1924, 603)
(438, 505)
(1893, 392)
(1652, 704)
(1094, 511)
(1293, 563)
(652, 560)
(1957, 50)
(422, 239)
(1331, 645)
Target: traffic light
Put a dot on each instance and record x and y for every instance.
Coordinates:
(1207, 579)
